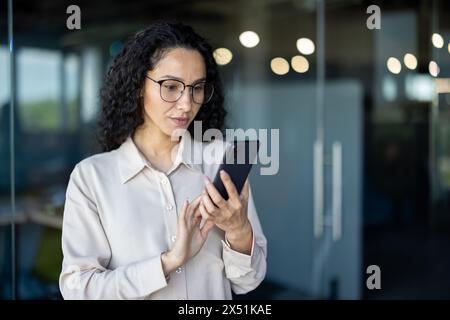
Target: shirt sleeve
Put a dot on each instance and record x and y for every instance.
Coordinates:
(85, 273)
(246, 272)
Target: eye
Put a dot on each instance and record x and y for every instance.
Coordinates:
(171, 85)
(199, 87)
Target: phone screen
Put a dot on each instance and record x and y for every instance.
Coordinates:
(237, 162)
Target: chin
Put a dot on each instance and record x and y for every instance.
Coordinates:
(174, 131)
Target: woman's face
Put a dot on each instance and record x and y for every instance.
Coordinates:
(181, 64)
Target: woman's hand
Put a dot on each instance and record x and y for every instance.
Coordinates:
(190, 237)
(229, 215)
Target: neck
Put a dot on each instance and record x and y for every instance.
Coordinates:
(153, 143)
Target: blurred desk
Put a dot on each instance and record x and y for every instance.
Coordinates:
(45, 219)
(6, 218)
(31, 210)
(36, 243)
(6, 213)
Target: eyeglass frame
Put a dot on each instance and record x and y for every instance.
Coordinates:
(160, 82)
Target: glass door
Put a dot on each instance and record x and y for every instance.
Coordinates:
(337, 170)
(311, 207)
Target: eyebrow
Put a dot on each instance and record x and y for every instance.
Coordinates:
(179, 79)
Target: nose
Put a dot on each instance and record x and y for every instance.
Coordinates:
(185, 102)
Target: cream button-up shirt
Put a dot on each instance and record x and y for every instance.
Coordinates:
(120, 214)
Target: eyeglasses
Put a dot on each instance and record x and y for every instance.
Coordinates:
(171, 90)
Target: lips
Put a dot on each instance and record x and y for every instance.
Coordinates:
(180, 121)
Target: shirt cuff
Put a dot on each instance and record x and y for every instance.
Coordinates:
(150, 275)
(237, 264)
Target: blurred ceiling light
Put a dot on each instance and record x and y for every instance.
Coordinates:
(410, 61)
(433, 68)
(249, 39)
(222, 56)
(437, 40)
(305, 46)
(448, 47)
(279, 66)
(300, 64)
(394, 65)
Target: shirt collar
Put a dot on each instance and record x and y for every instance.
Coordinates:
(132, 161)
(189, 153)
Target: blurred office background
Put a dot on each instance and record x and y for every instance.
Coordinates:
(363, 114)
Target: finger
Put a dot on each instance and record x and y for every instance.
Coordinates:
(197, 212)
(182, 214)
(245, 190)
(214, 194)
(196, 201)
(196, 221)
(229, 186)
(203, 212)
(207, 202)
(192, 207)
(209, 224)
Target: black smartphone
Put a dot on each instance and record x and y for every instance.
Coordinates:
(237, 162)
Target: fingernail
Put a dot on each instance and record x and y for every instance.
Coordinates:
(222, 171)
(206, 180)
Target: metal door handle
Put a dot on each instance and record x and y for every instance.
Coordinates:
(318, 189)
(337, 191)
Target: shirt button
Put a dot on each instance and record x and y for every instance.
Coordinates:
(179, 270)
(174, 238)
(164, 181)
(169, 207)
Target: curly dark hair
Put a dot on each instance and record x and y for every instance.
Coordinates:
(121, 105)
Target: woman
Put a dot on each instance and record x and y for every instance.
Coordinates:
(140, 223)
